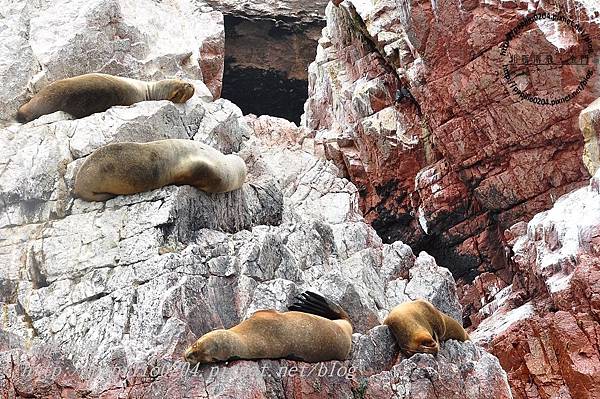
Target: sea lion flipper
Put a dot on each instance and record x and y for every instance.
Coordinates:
(313, 303)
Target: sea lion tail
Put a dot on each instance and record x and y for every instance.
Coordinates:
(313, 303)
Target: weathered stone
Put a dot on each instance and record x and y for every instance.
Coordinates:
(458, 371)
(117, 290)
(588, 124)
(100, 299)
(444, 155)
(544, 328)
(294, 10)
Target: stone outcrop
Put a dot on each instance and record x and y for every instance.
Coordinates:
(99, 299)
(103, 297)
(410, 101)
(291, 11)
(544, 327)
(589, 124)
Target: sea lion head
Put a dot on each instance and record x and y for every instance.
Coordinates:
(213, 177)
(215, 346)
(23, 116)
(175, 90)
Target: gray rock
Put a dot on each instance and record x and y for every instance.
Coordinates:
(375, 351)
(285, 10)
(109, 294)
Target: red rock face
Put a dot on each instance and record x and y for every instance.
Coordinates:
(452, 165)
(545, 331)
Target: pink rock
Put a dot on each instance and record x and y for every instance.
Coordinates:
(546, 331)
(276, 131)
(452, 165)
(212, 54)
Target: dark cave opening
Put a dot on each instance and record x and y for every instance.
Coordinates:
(260, 91)
(392, 228)
(266, 65)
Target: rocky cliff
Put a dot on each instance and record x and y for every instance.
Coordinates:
(412, 102)
(459, 122)
(544, 326)
(100, 299)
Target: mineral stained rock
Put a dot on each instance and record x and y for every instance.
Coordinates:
(544, 327)
(410, 100)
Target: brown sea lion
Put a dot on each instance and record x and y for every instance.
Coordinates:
(418, 326)
(87, 94)
(314, 330)
(129, 168)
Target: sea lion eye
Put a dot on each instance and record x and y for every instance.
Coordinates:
(429, 343)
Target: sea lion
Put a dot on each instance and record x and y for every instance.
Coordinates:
(314, 330)
(87, 94)
(418, 326)
(129, 168)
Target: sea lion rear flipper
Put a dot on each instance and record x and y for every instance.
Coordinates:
(313, 303)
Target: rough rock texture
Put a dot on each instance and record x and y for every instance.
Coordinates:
(297, 11)
(589, 123)
(100, 299)
(545, 326)
(45, 41)
(409, 100)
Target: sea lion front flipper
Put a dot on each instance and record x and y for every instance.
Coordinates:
(313, 303)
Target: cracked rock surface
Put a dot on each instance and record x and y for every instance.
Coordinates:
(488, 183)
(544, 326)
(99, 300)
(452, 165)
(103, 298)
